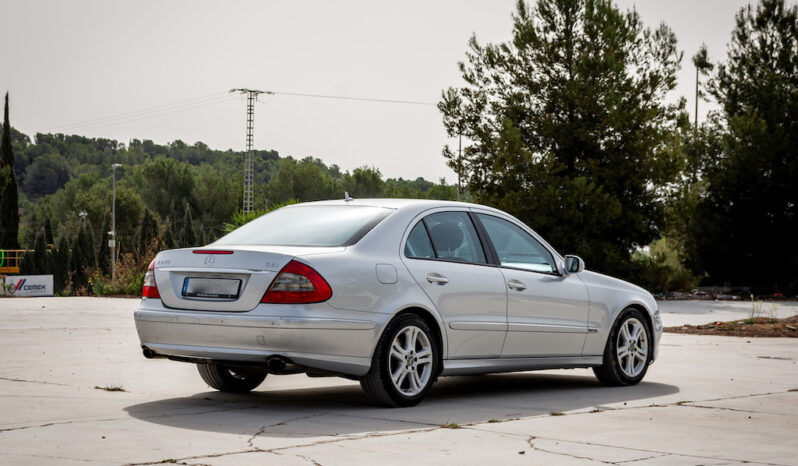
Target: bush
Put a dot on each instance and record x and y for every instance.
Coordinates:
(660, 270)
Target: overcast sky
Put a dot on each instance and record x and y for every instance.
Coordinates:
(67, 62)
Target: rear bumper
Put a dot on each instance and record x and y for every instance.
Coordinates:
(342, 344)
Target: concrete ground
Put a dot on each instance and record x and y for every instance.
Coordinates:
(707, 400)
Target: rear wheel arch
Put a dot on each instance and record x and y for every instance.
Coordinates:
(433, 323)
(429, 317)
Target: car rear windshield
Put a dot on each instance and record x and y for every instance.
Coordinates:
(308, 226)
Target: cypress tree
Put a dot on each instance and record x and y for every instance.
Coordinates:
(9, 197)
(48, 231)
(77, 263)
(104, 256)
(60, 266)
(168, 238)
(87, 247)
(148, 233)
(188, 237)
(27, 264)
(40, 259)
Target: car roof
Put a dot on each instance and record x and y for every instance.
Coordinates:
(391, 203)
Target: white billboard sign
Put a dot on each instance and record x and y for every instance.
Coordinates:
(29, 285)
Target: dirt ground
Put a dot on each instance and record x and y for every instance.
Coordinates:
(751, 327)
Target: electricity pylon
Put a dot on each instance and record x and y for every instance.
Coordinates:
(252, 95)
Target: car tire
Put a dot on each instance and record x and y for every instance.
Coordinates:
(628, 351)
(405, 363)
(228, 379)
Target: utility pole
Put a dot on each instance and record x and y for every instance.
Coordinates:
(459, 163)
(695, 118)
(114, 166)
(252, 95)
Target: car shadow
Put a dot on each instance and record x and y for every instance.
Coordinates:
(343, 409)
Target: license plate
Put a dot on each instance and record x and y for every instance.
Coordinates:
(220, 288)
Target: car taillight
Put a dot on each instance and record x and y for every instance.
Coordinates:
(297, 283)
(150, 288)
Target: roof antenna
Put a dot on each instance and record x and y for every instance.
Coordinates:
(346, 197)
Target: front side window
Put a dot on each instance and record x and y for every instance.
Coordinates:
(515, 247)
(454, 237)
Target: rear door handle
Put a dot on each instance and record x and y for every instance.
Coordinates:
(516, 285)
(437, 278)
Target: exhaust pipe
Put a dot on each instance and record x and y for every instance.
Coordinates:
(276, 364)
(148, 353)
(282, 366)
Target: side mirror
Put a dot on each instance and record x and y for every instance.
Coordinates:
(574, 264)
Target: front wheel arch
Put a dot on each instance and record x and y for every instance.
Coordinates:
(649, 322)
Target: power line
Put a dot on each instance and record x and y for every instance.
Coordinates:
(152, 115)
(206, 101)
(360, 99)
(181, 105)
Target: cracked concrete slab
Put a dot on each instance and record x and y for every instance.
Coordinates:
(707, 400)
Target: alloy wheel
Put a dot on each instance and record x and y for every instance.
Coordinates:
(410, 361)
(632, 347)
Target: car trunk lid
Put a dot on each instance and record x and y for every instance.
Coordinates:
(222, 278)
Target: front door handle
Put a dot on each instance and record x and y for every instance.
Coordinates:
(437, 278)
(516, 285)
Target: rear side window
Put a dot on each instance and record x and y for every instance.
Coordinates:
(418, 244)
(453, 237)
(310, 225)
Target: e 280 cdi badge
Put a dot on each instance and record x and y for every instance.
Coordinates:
(393, 293)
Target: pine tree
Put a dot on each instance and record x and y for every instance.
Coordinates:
(743, 231)
(566, 125)
(9, 197)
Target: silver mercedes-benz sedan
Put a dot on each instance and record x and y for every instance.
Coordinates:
(393, 293)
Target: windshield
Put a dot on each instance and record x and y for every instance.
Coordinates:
(308, 226)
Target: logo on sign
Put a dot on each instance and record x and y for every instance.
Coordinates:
(209, 260)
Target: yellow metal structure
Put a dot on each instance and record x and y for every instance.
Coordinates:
(10, 259)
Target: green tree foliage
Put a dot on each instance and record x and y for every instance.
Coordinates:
(364, 182)
(567, 123)
(46, 175)
(306, 180)
(164, 183)
(744, 228)
(9, 197)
